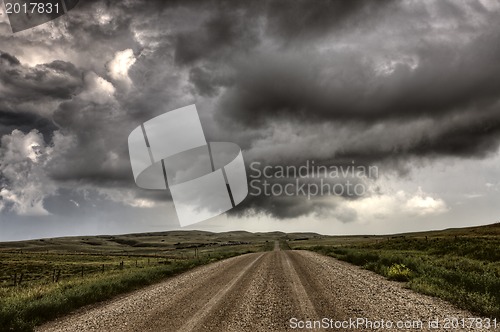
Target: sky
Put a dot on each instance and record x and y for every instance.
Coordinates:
(408, 87)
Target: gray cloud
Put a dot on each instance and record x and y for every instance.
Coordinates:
(58, 80)
(25, 122)
(376, 82)
(9, 59)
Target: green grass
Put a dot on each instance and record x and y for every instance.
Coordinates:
(462, 270)
(268, 246)
(284, 245)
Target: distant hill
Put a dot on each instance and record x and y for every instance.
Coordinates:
(171, 240)
(486, 230)
(149, 242)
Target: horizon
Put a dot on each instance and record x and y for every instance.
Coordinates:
(267, 232)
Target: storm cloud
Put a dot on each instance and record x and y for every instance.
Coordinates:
(396, 84)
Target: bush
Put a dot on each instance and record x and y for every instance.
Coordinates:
(399, 272)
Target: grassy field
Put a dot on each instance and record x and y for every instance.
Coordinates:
(46, 278)
(461, 266)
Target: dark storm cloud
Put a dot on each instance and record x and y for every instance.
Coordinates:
(441, 80)
(11, 60)
(56, 80)
(25, 122)
(207, 83)
(292, 20)
(333, 81)
(281, 207)
(473, 133)
(268, 196)
(33, 87)
(98, 135)
(446, 79)
(475, 137)
(225, 32)
(99, 157)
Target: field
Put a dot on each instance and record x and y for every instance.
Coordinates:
(461, 266)
(64, 258)
(46, 278)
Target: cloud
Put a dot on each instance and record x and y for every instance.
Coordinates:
(118, 67)
(9, 59)
(421, 204)
(58, 80)
(27, 181)
(97, 89)
(300, 22)
(24, 182)
(402, 204)
(394, 83)
(25, 122)
(128, 198)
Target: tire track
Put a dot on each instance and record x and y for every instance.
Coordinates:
(264, 302)
(306, 307)
(201, 314)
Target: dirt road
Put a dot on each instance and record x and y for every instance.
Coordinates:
(273, 291)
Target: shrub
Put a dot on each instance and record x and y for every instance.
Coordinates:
(399, 272)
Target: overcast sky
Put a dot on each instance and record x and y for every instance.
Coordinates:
(411, 87)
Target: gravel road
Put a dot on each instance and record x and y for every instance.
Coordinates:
(273, 291)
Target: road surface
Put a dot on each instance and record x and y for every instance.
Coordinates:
(272, 291)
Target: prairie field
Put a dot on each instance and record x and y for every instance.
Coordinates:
(461, 266)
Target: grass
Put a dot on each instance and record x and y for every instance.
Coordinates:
(399, 272)
(464, 270)
(112, 265)
(284, 245)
